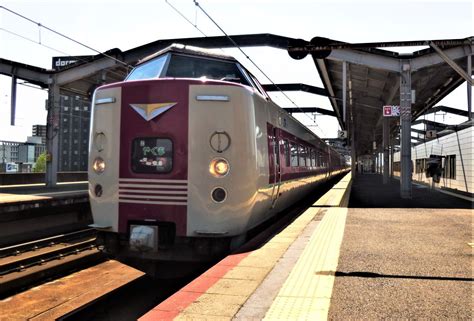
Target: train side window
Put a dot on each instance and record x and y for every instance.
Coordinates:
(286, 149)
(294, 155)
(313, 157)
(152, 155)
(302, 153)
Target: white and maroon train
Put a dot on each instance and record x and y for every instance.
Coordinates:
(189, 153)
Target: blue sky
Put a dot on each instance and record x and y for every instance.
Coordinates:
(126, 24)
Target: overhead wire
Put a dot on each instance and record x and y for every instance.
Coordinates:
(64, 36)
(196, 3)
(189, 21)
(195, 26)
(184, 17)
(52, 48)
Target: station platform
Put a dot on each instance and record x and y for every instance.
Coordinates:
(22, 193)
(35, 211)
(30, 196)
(347, 257)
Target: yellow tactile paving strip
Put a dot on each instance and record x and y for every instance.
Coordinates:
(335, 196)
(224, 299)
(306, 294)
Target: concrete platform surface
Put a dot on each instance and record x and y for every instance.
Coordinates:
(410, 260)
(274, 281)
(405, 264)
(369, 191)
(339, 263)
(23, 194)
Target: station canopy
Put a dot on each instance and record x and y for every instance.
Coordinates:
(372, 81)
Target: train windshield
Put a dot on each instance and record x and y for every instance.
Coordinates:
(183, 66)
(149, 70)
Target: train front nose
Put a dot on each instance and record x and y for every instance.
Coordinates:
(153, 157)
(138, 157)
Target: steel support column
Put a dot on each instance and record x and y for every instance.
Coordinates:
(405, 140)
(344, 90)
(469, 87)
(353, 142)
(386, 147)
(13, 101)
(392, 153)
(52, 134)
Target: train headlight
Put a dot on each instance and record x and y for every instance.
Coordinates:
(219, 167)
(98, 165)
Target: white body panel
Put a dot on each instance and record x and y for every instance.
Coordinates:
(249, 202)
(105, 119)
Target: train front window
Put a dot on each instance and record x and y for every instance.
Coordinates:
(181, 66)
(152, 155)
(149, 70)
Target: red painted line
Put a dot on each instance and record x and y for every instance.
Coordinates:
(172, 307)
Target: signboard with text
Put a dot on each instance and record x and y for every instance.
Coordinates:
(391, 111)
(62, 62)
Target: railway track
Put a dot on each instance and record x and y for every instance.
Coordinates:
(27, 264)
(86, 286)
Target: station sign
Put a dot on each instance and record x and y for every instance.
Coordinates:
(342, 134)
(391, 111)
(64, 61)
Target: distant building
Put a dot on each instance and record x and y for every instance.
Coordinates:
(74, 120)
(9, 151)
(24, 154)
(40, 131)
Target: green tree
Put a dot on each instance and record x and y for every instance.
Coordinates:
(40, 165)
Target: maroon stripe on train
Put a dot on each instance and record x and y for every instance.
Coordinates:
(160, 212)
(151, 200)
(172, 124)
(150, 195)
(177, 188)
(152, 183)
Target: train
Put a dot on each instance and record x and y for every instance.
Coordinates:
(189, 153)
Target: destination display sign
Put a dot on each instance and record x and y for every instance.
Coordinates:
(152, 155)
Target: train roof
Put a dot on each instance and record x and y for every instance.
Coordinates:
(188, 50)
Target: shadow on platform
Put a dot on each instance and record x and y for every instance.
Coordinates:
(368, 191)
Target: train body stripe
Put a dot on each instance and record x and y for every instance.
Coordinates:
(153, 197)
(178, 187)
(148, 180)
(154, 191)
(151, 202)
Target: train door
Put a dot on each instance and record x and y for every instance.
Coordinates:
(275, 143)
(330, 165)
